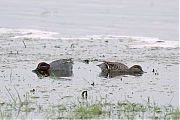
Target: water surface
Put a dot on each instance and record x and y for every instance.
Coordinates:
(147, 18)
(141, 32)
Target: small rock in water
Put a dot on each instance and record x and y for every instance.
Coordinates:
(84, 94)
(33, 90)
(92, 84)
(86, 61)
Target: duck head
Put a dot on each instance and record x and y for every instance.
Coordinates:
(42, 69)
(104, 67)
(136, 69)
(43, 66)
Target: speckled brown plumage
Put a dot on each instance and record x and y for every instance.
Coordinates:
(119, 67)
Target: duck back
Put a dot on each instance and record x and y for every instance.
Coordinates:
(63, 64)
(113, 67)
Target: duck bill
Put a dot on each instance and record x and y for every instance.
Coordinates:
(99, 65)
(35, 70)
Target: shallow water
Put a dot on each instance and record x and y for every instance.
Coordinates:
(22, 50)
(120, 31)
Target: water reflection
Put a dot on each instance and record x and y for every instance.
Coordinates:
(53, 73)
(116, 74)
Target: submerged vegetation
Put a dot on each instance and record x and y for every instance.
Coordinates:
(88, 94)
(83, 108)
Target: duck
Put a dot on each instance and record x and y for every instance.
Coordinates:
(60, 68)
(116, 67)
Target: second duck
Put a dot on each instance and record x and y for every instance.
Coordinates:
(120, 68)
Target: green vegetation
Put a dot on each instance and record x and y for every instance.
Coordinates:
(84, 108)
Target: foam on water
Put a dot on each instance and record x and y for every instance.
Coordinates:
(29, 33)
(137, 42)
(18, 60)
(146, 42)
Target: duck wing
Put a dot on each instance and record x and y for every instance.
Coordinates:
(62, 64)
(115, 66)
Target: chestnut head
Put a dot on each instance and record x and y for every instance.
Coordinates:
(43, 66)
(42, 69)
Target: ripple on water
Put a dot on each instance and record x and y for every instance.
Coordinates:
(17, 62)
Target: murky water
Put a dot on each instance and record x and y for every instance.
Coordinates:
(22, 50)
(107, 32)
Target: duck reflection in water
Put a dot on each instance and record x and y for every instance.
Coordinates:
(114, 69)
(58, 68)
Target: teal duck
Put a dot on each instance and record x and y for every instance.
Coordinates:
(61, 68)
(120, 68)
